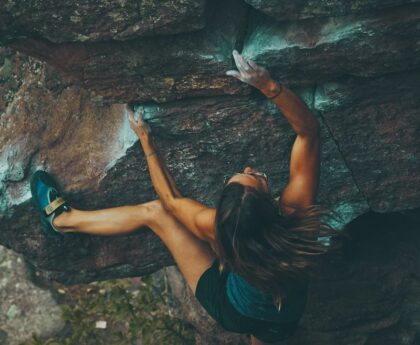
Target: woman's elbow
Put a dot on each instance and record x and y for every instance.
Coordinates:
(168, 202)
(311, 131)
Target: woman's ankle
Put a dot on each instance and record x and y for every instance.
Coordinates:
(64, 221)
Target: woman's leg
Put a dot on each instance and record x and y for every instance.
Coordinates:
(192, 255)
(107, 222)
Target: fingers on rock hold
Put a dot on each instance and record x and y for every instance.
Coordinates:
(232, 73)
(252, 64)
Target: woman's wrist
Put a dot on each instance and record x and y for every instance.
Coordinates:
(151, 153)
(272, 89)
(144, 136)
(146, 142)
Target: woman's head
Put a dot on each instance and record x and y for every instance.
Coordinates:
(250, 178)
(257, 242)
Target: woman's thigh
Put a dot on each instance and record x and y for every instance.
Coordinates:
(192, 255)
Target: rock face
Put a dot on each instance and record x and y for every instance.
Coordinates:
(100, 20)
(61, 109)
(302, 9)
(373, 301)
(320, 50)
(25, 308)
(369, 130)
(159, 68)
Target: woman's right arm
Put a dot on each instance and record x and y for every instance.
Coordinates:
(305, 154)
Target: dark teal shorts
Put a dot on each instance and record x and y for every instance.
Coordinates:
(211, 293)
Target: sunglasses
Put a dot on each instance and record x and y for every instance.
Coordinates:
(256, 174)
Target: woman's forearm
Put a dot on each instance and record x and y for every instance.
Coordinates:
(169, 177)
(161, 178)
(195, 216)
(293, 108)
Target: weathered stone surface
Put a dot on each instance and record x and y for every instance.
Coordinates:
(99, 20)
(157, 68)
(24, 308)
(43, 120)
(302, 9)
(369, 303)
(376, 125)
(314, 51)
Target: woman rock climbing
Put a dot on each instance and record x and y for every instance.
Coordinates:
(249, 260)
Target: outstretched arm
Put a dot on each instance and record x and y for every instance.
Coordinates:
(198, 218)
(305, 155)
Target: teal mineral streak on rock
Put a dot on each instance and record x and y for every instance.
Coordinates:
(266, 38)
(12, 312)
(336, 30)
(341, 215)
(345, 212)
(269, 36)
(328, 96)
(150, 111)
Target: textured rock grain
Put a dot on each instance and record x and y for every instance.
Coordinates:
(375, 122)
(160, 68)
(24, 307)
(44, 120)
(99, 20)
(302, 9)
(318, 50)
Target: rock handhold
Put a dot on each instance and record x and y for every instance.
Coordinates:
(318, 50)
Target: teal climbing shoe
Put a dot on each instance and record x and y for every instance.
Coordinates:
(48, 201)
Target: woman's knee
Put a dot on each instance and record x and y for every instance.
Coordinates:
(158, 217)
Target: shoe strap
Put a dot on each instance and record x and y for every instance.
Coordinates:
(54, 205)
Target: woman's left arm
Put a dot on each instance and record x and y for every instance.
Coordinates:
(197, 217)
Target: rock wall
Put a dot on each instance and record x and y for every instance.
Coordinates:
(100, 20)
(65, 72)
(25, 308)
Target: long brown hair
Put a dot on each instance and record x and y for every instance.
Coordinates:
(266, 248)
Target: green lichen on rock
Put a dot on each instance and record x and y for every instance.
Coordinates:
(127, 313)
